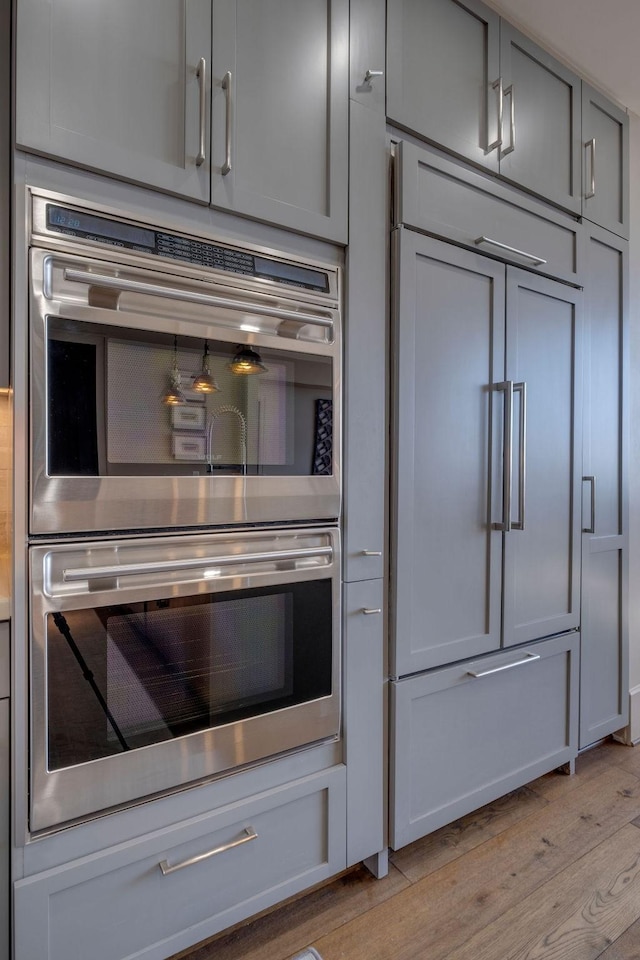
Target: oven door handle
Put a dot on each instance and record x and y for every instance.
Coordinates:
(192, 563)
(206, 299)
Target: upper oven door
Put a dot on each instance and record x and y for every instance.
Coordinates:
(122, 438)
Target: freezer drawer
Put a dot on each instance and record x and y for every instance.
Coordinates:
(464, 735)
(161, 893)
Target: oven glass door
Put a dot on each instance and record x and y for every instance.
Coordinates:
(161, 661)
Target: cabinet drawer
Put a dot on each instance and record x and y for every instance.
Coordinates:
(5, 679)
(119, 904)
(467, 734)
(440, 197)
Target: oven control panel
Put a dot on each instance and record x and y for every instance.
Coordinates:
(76, 222)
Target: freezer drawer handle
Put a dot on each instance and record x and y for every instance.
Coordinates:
(206, 299)
(248, 834)
(192, 563)
(538, 261)
(529, 658)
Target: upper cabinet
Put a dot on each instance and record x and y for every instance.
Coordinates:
(118, 87)
(461, 77)
(605, 141)
(443, 67)
(280, 112)
(132, 90)
(541, 121)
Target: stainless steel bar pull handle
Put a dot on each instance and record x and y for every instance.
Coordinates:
(167, 868)
(372, 74)
(521, 388)
(192, 563)
(227, 81)
(368, 611)
(497, 85)
(201, 74)
(371, 553)
(528, 658)
(506, 387)
(591, 147)
(509, 92)
(538, 261)
(191, 296)
(592, 526)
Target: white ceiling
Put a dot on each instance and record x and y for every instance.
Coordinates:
(599, 38)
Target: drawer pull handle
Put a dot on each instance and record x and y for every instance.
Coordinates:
(529, 658)
(368, 611)
(248, 834)
(538, 261)
(372, 553)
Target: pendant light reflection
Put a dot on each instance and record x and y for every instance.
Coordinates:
(174, 395)
(204, 382)
(246, 361)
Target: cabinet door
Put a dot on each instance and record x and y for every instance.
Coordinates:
(605, 140)
(442, 73)
(280, 112)
(115, 86)
(604, 699)
(542, 549)
(5, 188)
(4, 830)
(542, 146)
(449, 354)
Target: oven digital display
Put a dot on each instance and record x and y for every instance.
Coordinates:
(88, 226)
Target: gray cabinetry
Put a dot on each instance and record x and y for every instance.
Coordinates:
(156, 895)
(5, 188)
(604, 699)
(461, 77)
(464, 735)
(605, 140)
(442, 64)
(542, 146)
(118, 87)
(280, 112)
(487, 457)
(5, 792)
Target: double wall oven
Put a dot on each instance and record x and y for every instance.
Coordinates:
(184, 507)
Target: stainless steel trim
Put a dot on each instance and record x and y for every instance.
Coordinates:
(249, 834)
(201, 74)
(591, 145)
(506, 387)
(372, 74)
(509, 92)
(592, 526)
(371, 553)
(538, 261)
(529, 658)
(206, 299)
(498, 142)
(521, 388)
(227, 81)
(368, 611)
(167, 566)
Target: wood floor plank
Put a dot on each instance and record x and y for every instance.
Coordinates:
(427, 855)
(288, 929)
(439, 913)
(590, 764)
(575, 916)
(626, 947)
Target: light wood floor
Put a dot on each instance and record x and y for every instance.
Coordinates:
(550, 872)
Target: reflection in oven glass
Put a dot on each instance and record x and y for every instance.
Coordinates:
(128, 675)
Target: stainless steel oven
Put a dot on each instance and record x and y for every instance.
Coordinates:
(159, 661)
(177, 381)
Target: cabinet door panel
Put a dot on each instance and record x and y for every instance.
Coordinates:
(604, 701)
(545, 135)
(449, 354)
(112, 86)
(5, 793)
(605, 137)
(280, 112)
(541, 583)
(442, 59)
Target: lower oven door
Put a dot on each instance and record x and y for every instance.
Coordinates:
(158, 662)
